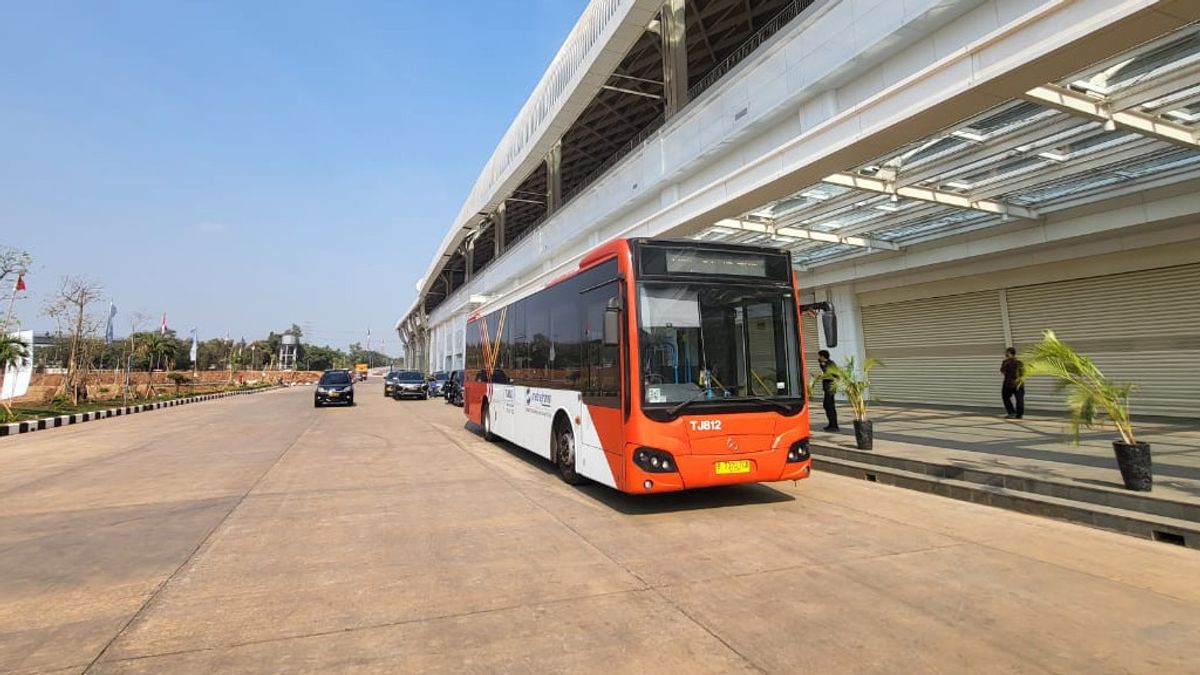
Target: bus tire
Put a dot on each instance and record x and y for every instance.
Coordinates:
(486, 421)
(564, 453)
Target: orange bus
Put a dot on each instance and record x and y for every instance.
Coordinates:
(657, 365)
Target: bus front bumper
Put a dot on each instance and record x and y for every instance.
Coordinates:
(696, 471)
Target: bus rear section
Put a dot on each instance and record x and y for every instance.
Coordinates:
(657, 366)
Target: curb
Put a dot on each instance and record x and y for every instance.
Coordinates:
(44, 423)
(1108, 509)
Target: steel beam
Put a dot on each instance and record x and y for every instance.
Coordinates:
(1088, 107)
(812, 235)
(930, 195)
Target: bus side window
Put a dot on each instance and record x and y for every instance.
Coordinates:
(602, 374)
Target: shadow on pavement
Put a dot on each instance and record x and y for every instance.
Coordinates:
(666, 502)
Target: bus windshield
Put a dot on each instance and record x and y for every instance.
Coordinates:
(717, 341)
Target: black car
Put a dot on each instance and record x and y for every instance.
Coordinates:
(453, 389)
(409, 384)
(335, 386)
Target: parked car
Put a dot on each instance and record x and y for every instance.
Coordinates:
(409, 384)
(389, 382)
(437, 383)
(335, 386)
(453, 390)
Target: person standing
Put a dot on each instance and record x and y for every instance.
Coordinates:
(1013, 390)
(827, 387)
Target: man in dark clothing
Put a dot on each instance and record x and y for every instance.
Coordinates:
(1012, 390)
(827, 388)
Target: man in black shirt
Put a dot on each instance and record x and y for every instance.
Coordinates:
(827, 388)
(1012, 390)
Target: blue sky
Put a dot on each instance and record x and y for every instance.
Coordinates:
(246, 165)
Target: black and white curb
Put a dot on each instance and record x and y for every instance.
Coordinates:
(14, 428)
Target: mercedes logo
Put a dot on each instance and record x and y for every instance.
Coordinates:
(731, 444)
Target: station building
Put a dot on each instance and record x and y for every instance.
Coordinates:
(955, 176)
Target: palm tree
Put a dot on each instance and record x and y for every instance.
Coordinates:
(1088, 391)
(13, 353)
(156, 348)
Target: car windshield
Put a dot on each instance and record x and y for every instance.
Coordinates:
(717, 341)
(441, 377)
(409, 376)
(337, 377)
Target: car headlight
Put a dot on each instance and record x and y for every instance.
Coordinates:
(322, 390)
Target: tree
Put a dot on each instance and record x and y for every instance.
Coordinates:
(13, 353)
(69, 308)
(157, 348)
(13, 261)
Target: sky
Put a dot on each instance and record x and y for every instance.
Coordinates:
(243, 166)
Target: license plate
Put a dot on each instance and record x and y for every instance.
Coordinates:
(735, 466)
(334, 394)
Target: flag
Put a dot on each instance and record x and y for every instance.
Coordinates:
(194, 347)
(108, 331)
(163, 329)
(20, 283)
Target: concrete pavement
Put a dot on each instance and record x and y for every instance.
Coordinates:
(260, 535)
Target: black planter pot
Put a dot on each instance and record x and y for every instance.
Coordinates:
(1134, 462)
(864, 434)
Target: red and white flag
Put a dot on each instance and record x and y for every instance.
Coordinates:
(163, 329)
(20, 283)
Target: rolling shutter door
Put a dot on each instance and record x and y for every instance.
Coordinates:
(943, 350)
(1141, 327)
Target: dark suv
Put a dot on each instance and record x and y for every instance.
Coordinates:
(409, 384)
(335, 386)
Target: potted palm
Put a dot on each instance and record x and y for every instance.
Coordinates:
(1088, 393)
(855, 384)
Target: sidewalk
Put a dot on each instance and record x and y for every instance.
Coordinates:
(1036, 446)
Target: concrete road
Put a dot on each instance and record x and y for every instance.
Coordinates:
(256, 534)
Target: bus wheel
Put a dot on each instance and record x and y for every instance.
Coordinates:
(487, 422)
(564, 454)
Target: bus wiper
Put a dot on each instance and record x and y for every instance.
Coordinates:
(783, 407)
(673, 412)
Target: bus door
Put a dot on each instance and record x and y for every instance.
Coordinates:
(602, 439)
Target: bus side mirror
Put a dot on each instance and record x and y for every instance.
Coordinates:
(829, 326)
(612, 326)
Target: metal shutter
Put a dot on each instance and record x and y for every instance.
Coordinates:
(1141, 327)
(944, 350)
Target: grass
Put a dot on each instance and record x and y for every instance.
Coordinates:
(34, 411)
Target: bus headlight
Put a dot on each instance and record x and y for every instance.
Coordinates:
(654, 461)
(798, 452)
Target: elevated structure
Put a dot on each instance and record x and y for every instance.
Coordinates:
(955, 175)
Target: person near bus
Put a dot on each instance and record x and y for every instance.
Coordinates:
(827, 387)
(1012, 391)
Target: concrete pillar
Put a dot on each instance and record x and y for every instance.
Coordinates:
(673, 31)
(554, 178)
(498, 224)
(850, 328)
(468, 258)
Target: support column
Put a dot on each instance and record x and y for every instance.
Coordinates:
(468, 258)
(554, 178)
(850, 329)
(673, 31)
(498, 225)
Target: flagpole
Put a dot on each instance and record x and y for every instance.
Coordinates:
(11, 299)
